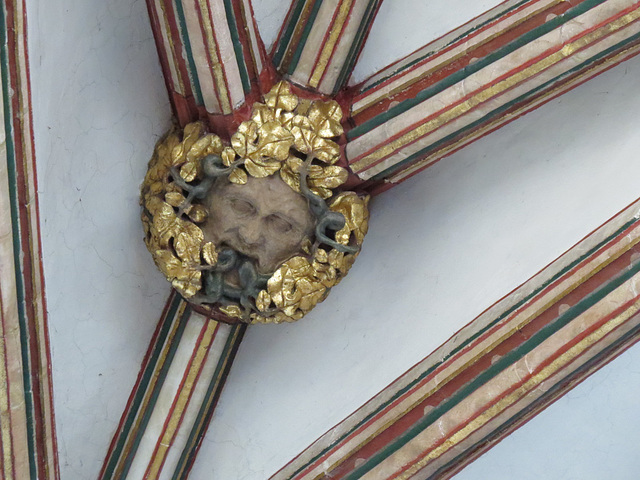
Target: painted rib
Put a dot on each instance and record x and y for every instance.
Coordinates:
(27, 432)
(501, 369)
(527, 54)
(321, 40)
(184, 369)
(210, 53)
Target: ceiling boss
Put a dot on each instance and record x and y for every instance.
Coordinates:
(258, 230)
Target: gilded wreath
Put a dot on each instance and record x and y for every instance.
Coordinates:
(287, 137)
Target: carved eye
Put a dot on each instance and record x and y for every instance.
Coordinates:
(242, 207)
(279, 224)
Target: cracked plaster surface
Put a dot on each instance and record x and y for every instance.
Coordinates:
(99, 105)
(503, 208)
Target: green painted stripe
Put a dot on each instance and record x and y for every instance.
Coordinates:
(540, 403)
(237, 46)
(186, 43)
(431, 52)
(473, 68)
(147, 376)
(17, 244)
(503, 109)
(499, 366)
(468, 341)
(161, 377)
(205, 413)
(289, 28)
(356, 45)
(303, 39)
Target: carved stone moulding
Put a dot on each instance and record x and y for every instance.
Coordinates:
(257, 230)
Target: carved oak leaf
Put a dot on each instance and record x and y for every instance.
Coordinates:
(175, 199)
(186, 280)
(187, 248)
(311, 292)
(207, 145)
(290, 172)
(321, 180)
(263, 300)
(188, 284)
(303, 139)
(165, 224)
(290, 120)
(280, 97)
(325, 118)
(342, 262)
(274, 141)
(192, 132)
(228, 156)
(243, 141)
(233, 311)
(198, 213)
(209, 253)
(293, 287)
(326, 150)
(356, 217)
(262, 114)
(261, 168)
(238, 176)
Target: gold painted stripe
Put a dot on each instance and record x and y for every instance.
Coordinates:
(5, 412)
(544, 374)
(291, 47)
(476, 355)
(327, 49)
(494, 90)
(377, 96)
(147, 396)
(439, 154)
(175, 70)
(182, 399)
(216, 63)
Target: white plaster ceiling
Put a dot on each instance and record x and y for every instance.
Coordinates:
(442, 247)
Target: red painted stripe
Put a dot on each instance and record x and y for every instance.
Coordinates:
(448, 48)
(505, 76)
(143, 368)
(523, 380)
(206, 47)
(581, 76)
(335, 47)
(8, 386)
(177, 395)
(593, 283)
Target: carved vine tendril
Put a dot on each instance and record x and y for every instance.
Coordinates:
(285, 135)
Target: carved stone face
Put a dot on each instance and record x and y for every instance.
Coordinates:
(264, 219)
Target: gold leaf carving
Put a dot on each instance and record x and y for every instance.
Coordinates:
(198, 213)
(321, 180)
(232, 311)
(280, 131)
(325, 118)
(263, 300)
(243, 141)
(228, 156)
(356, 215)
(174, 199)
(275, 141)
(280, 97)
(238, 176)
(290, 172)
(209, 253)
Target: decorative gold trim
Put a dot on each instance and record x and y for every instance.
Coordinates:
(285, 134)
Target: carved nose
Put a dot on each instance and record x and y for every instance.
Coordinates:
(250, 233)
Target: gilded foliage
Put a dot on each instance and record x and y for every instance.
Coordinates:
(172, 234)
(285, 135)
